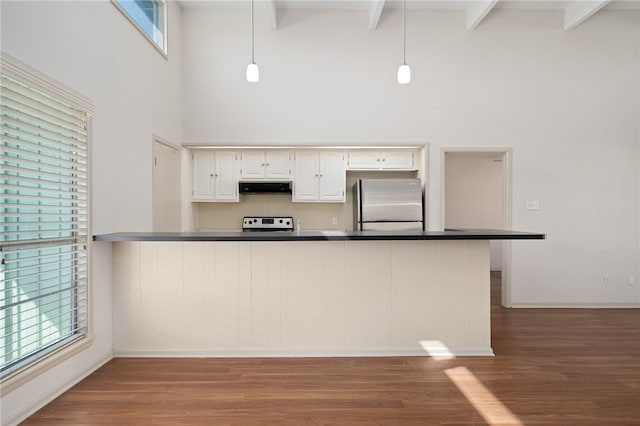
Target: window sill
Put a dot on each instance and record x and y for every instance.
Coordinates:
(20, 377)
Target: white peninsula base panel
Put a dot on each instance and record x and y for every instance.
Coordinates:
(305, 298)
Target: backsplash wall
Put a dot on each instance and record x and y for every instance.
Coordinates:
(312, 216)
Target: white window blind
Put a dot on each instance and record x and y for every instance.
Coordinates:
(44, 177)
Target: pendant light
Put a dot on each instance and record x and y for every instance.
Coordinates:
(404, 72)
(253, 73)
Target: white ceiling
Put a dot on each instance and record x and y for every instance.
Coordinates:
(575, 11)
(411, 4)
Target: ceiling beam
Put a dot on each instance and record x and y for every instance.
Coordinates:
(477, 11)
(579, 11)
(272, 12)
(375, 10)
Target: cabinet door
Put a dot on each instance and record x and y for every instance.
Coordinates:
(202, 175)
(305, 180)
(225, 181)
(331, 185)
(398, 160)
(363, 160)
(252, 165)
(277, 165)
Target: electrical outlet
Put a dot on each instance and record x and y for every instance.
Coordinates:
(631, 280)
(334, 220)
(607, 279)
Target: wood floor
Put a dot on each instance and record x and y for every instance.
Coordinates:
(552, 367)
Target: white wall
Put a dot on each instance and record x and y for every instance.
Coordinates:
(92, 48)
(566, 102)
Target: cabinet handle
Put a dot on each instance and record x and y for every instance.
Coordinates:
(384, 159)
(321, 175)
(216, 175)
(267, 164)
(211, 175)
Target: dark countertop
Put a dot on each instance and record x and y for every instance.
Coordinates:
(449, 234)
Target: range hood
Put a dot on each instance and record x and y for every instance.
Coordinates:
(264, 187)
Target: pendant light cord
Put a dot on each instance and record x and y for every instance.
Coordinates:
(252, 36)
(404, 26)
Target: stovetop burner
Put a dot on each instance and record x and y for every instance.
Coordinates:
(267, 223)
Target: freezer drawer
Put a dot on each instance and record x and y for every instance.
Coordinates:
(392, 226)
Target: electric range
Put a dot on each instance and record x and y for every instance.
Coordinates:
(267, 223)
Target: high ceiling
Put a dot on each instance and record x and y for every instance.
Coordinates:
(575, 11)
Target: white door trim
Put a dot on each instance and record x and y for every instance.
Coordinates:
(507, 175)
(176, 148)
(166, 143)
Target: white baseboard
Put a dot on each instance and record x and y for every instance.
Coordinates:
(577, 305)
(300, 353)
(16, 418)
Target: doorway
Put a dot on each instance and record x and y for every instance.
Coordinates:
(166, 186)
(476, 188)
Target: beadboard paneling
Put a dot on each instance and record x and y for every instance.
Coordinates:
(300, 298)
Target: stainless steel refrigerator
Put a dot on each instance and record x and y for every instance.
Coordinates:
(388, 205)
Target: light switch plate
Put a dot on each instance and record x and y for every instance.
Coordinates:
(533, 205)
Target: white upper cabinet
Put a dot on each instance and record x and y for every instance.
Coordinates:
(398, 160)
(202, 175)
(382, 160)
(225, 177)
(278, 164)
(363, 160)
(305, 176)
(319, 176)
(214, 176)
(331, 185)
(265, 164)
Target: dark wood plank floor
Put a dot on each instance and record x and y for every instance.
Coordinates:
(552, 367)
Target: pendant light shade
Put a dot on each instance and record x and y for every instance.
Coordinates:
(253, 73)
(404, 72)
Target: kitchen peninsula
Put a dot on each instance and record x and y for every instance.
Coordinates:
(308, 293)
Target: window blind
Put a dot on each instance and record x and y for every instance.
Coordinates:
(44, 177)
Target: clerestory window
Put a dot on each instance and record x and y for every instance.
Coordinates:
(150, 17)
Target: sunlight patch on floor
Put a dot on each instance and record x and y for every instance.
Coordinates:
(488, 406)
(437, 349)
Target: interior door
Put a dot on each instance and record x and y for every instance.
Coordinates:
(166, 187)
(474, 194)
